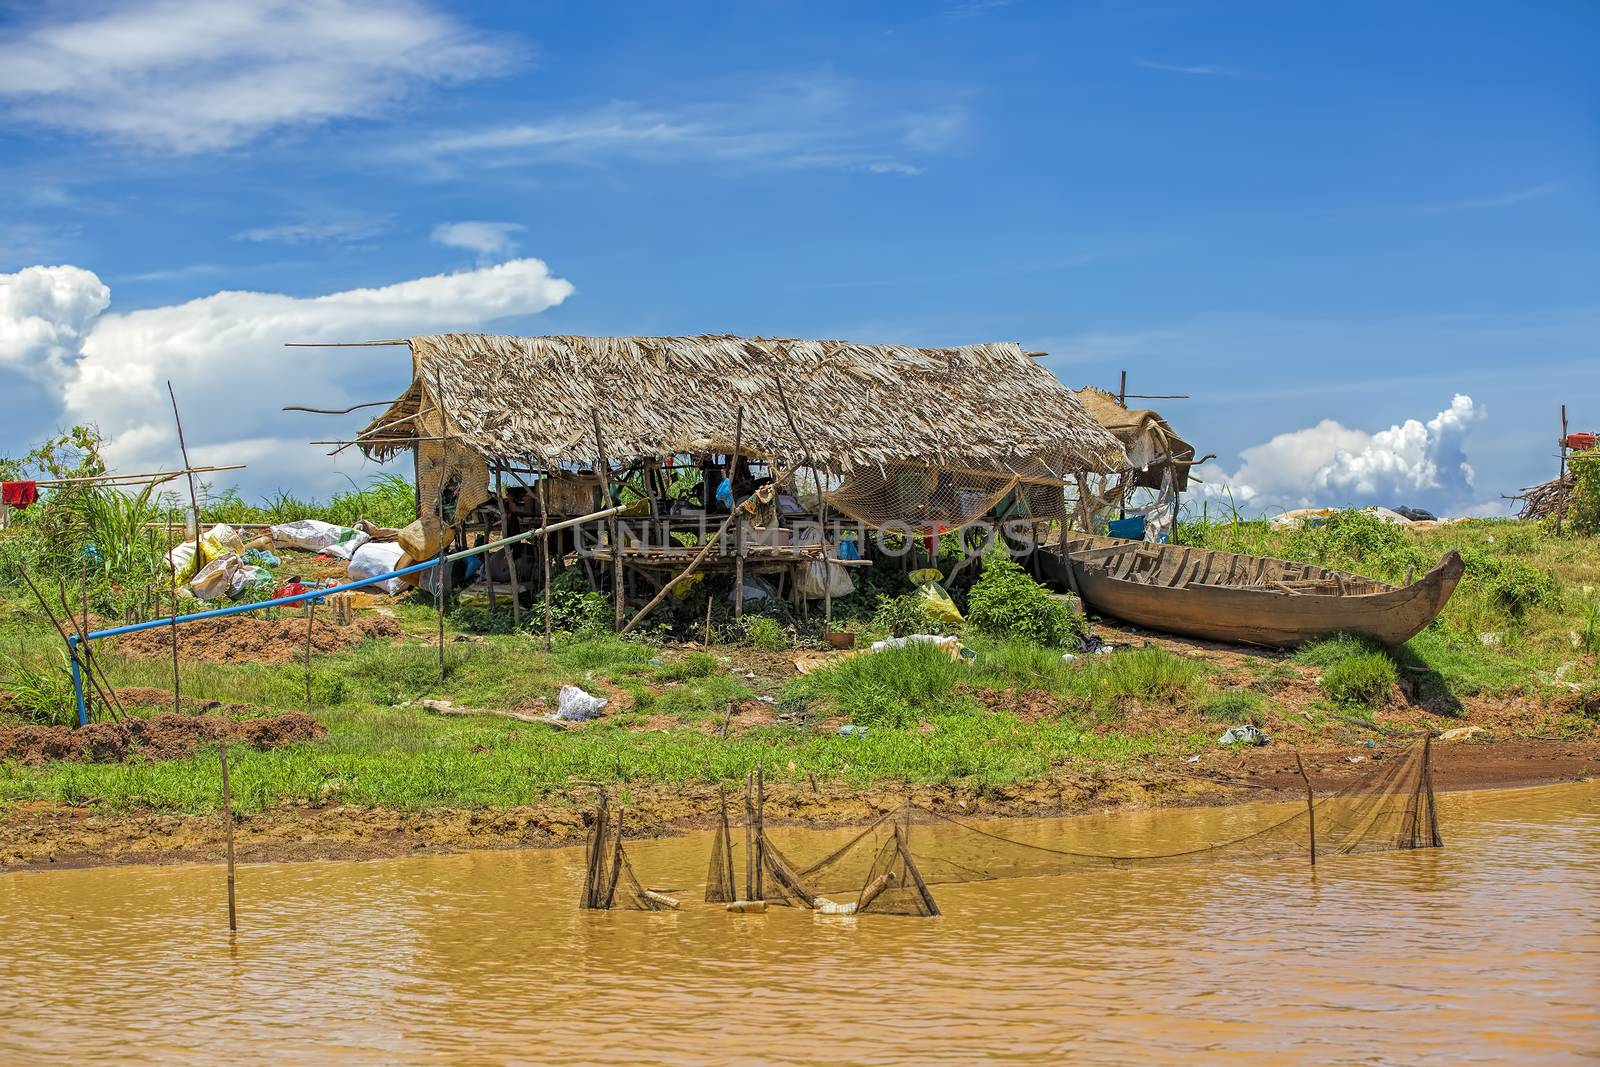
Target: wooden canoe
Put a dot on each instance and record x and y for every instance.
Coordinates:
(1254, 600)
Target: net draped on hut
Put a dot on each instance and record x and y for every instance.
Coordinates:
(890, 867)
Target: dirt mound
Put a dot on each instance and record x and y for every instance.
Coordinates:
(162, 737)
(1029, 705)
(249, 638)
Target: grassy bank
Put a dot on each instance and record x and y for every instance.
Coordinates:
(1515, 650)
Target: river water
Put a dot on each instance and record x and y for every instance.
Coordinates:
(1485, 951)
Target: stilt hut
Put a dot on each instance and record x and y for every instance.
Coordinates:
(798, 439)
(1158, 461)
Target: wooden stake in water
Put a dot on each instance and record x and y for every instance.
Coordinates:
(1311, 810)
(749, 841)
(761, 828)
(172, 588)
(227, 815)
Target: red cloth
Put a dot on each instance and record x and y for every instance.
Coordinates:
(18, 494)
(291, 589)
(1580, 442)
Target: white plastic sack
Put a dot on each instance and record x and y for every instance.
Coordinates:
(818, 580)
(182, 561)
(249, 576)
(215, 579)
(314, 535)
(375, 558)
(577, 706)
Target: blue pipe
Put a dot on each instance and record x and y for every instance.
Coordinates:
(77, 680)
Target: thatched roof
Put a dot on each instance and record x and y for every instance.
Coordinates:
(1151, 444)
(986, 407)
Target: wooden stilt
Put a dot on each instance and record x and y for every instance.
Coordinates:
(544, 552)
(761, 845)
(738, 529)
(227, 816)
(1311, 807)
(603, 468)
(311, 616)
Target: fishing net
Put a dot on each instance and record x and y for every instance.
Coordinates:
(888, 867)
(936, 499)
(608, 878)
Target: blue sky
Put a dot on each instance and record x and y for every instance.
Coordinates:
(1322, 221)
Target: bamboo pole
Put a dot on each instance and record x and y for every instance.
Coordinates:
(733, 510)
(1311, 809)
(227, 816)
(60, 628)
(1561, 475)
(511, 560)
(603, 468)
(749, 840)
(616, 863)
(311, 616)
(544, 553)
(194, 500)
(761, 830)
(708, 621)
(134, 479)
(172, 593)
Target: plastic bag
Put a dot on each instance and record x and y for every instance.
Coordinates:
(215, 579)
(249, 577)
(818, 580)
(314, 535)
(375, 558)
(182, 559)
(577, 706)
(221, 541)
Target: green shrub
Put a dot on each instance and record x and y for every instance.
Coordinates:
(901, 616)
(766, 633)
(1236, 708)
(584, 614)
(693, 665)
(1517, 587)
(1585, 513)
(1005, 602)
(1361, 681)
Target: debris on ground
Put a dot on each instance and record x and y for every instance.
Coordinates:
(166, 736)
(1461, 733)
(1243, 735)
(255, 639)
(575, 705)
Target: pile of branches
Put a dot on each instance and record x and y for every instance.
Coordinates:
(1547, 500)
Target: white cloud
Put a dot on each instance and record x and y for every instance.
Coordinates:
(1198, 70)
(1412, 463)
(224, 354)
(484, 238)
(195, 76)
(45, 313)
(815, 123)
(299, 233)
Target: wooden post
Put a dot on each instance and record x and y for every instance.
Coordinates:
(511, 560)
(761, 846)
(544, 552)
(738, 529)
(616, 864)
(749, 841)
(708, 621)
(603, 468)
(311, 614)
(1311, 809)
(227, 815)
(172, 591)
(1561, 477)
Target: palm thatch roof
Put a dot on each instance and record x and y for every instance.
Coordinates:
(1150, 442)
(986, 407)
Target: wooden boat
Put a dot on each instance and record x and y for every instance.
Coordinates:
(1254, 600)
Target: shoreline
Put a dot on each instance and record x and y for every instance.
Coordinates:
(37, 837)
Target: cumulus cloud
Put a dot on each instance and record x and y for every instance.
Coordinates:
(484, 238)
(1413, 463)
(195, 76)
(44, 315)
(225, 355)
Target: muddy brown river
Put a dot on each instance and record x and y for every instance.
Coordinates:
(1485, 951)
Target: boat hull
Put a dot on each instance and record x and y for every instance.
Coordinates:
(1261, 614)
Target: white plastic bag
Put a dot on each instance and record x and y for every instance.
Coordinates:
(215, 579)
(375, 558)
(577, 706)
(818, 580)
(182, 560)
(314, 535)
(221, 541)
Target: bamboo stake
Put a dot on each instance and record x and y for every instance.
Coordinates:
(761, 830)
(616, 863)
(749, 841)
(511, 560)
(1561, 476)
(227, 815)
(194, 500)
(311, 615)
(60, 628)
(544, 553)
(172, 592)
(738, 530)
(1311, 810)
(603, 468)
(708, 621)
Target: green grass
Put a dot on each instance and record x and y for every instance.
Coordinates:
(1235, 709)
